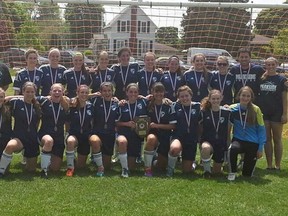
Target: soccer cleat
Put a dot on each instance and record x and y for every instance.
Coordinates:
(125, 173)
(194, 165)
(70, 172)
(207, 174)
(44, 174)
(231, 176)
(100, 172)
(148, 172)
(139, 160)
(170, 172)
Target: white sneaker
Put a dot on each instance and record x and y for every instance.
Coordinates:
(125, 173)
(231, 176)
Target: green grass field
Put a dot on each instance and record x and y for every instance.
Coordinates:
(22, 193)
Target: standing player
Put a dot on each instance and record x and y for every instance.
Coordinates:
(102, 73)
(173, 78)
(246, 74)
(125, 72)
(5, 122)
(223, 80)
(80, 125)
(52, 72)
(129, 143)
(103, 135)
(76, 76)
(51, 133)
(162, 122)
(198, 78)
(26, 113)
(273, 103)
(249, 134)
(5, 77)
(215, 132)
(30, 73)
(148, 75)
(185, 136)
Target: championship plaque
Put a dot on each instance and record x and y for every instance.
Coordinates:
(142, 125)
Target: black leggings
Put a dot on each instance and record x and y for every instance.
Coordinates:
(249, 149)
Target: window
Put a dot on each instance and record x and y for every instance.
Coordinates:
(145, 46)
(144, 30)
(123, 26)
(120, 44)
(118, 26)
(128, 25)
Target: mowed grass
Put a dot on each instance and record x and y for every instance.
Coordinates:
(22, 193)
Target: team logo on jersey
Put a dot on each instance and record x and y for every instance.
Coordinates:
(89, 112)
(193, 111)
(178, 77)
(132, 71)
(83, 77)
(113, 107)
(59, 76)
(139, 106)
(37, 78)
(162, 114)
(222, 119)
(22, 109)
(154, 79)
(109, 78)
(228, 82)
(208, 117)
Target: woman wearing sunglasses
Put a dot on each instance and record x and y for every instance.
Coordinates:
(223, 80)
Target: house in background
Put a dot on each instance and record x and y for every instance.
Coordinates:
(131, 28)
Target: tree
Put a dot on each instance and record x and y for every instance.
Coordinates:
(279, 44)
(168, 35)
(270, 21)
(227, 28)
(84, 21)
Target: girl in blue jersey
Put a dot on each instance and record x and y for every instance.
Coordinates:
(223, 80)
(162, 122)
(129, 143)
(54, 110)
(148, 75)
(76, 76)
(198, 78)
(103, 138)
(80, 125)
(272, 100)
(52, 72)
(185, 136)
(5, 122)
(215, 132)
(30, 73)
(125, 72)
(101, 73)
(172, 79)
(26, 113)
(249, 134)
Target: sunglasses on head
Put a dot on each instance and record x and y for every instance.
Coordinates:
(222, 64)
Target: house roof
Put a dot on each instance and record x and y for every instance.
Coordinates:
(260, 40)
(124, 11)
(164, 47)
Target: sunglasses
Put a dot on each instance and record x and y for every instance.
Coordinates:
(222, 64)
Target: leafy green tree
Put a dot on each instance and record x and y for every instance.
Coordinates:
(84, 21)
(168, 36)
(227, 28)
(270, 21)
(279, 44)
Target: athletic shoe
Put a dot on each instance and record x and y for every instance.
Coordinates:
(194, 165)
(70, 172)
(114, 158)
(170, 172)
(44, 174)
(139, 160)
(125, 173)
(100, 172)
(148, 172)
(207, 174)
(231, 176)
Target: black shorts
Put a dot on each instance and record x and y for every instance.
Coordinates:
(164, 139)
(189, 147)
(3, 143)
(31, 147)
(219, 148)
(83, 146)
(275, 117)
(134, 143)
(58, 144)
(108, 142)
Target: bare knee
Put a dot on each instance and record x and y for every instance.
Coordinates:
(47, 143)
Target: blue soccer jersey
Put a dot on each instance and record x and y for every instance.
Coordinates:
(81, 119)
(101, 76)
(124, 75)
(106, 114)
(198, 84)
(215, 125)
(53, 118)
(270, 96)
(224, 83)
(51, 76)
(187, 118)
(171, 82)
(247, 77)
(146, 79)
(73, 79)
(24, 76)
